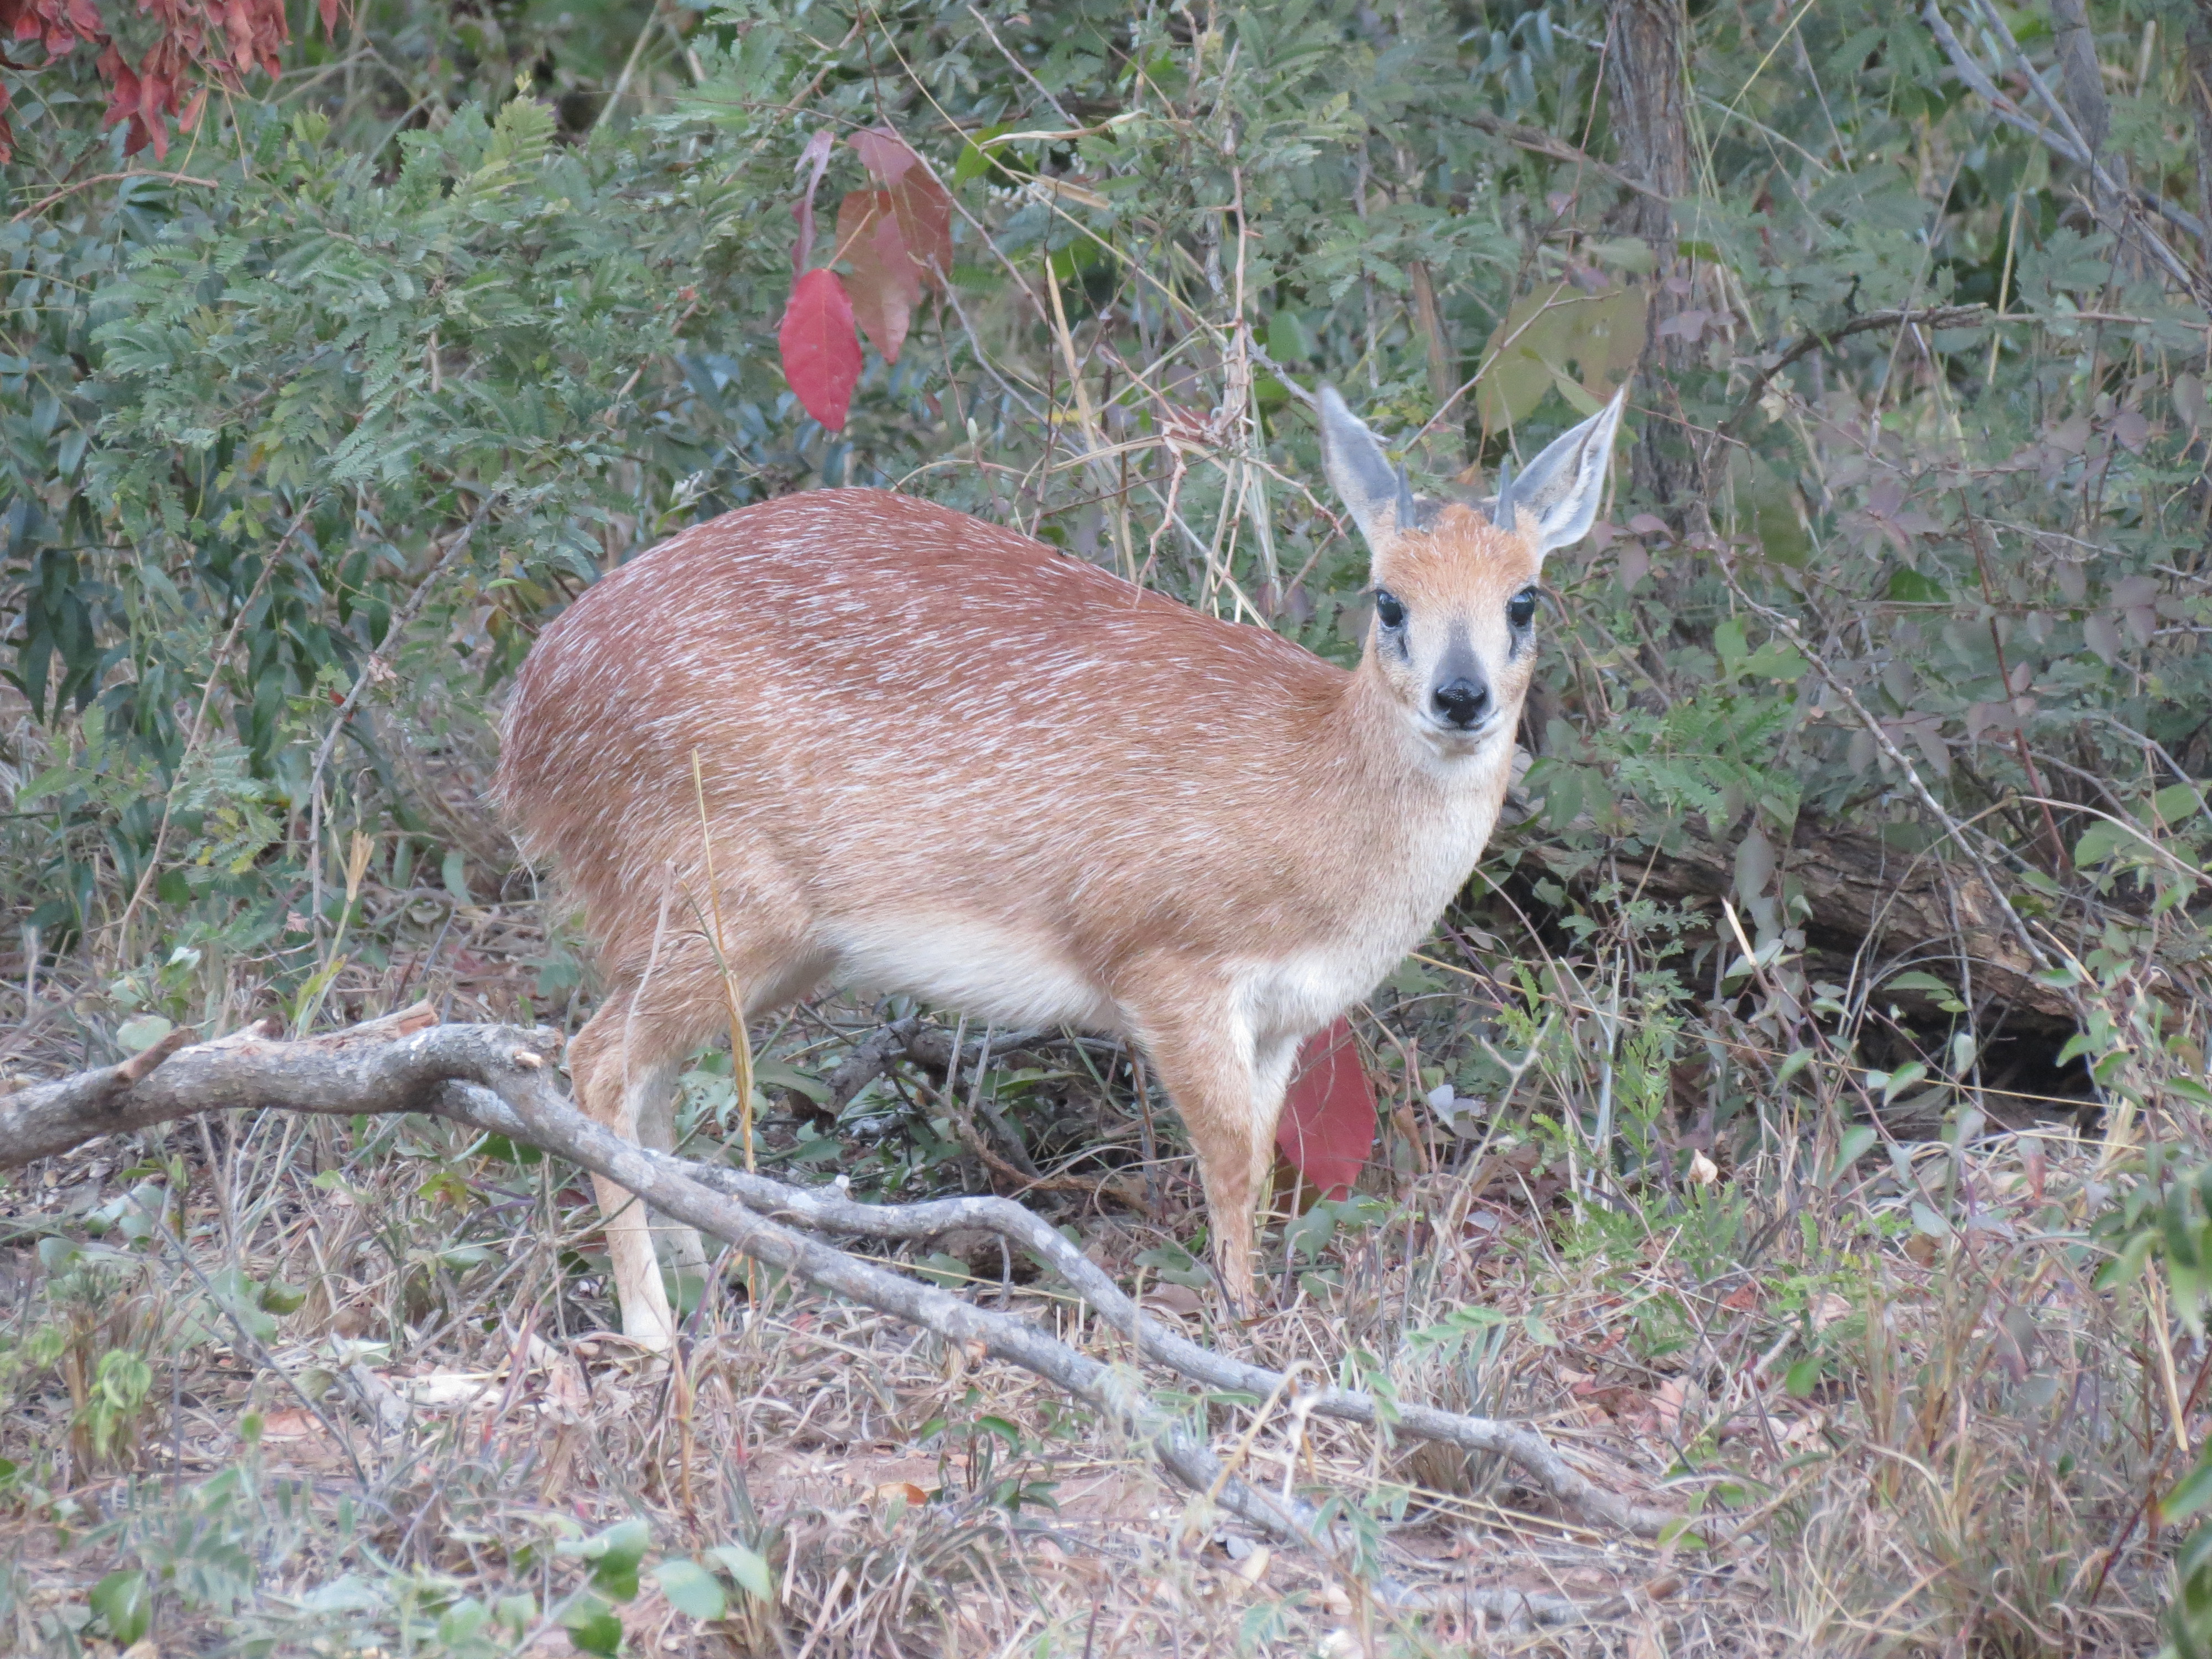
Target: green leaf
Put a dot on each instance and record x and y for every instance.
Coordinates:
(1178, 1265)
(1852, 1146)
(1777, 660)
(1910, 588)
(1918, 981)
(1600, 334)
(594, 1626)
(137, 1034)
(1733, 644)
(1901, 1079)
(50, 782)
(2176, 802)
(2099, 842)
(1289, 340)
(774, 1074)
(454, 871)
(124, 1602)
(2192, 1494)
(241, 1296)
(977, 157)
(615, 1554)
(1925, 1221)
(747, 1571)
(2123, 1268)
(690, 1588)
(1802, 1377)
(459, 1623)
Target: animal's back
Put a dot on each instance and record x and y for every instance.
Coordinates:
(896, 707)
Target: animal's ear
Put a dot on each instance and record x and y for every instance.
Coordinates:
(1382, 500)
(1555, 502)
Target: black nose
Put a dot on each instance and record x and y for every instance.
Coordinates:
(1463, 701)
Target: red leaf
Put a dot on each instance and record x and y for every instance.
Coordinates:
(237, 23)
(821, 353)
(884, 284)
(884, 154)
(1328, 1115)
(122, 92)
(924, 217)
(329, 9)
(924, 211)
(154, 95)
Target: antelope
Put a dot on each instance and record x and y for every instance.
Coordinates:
(922, 753)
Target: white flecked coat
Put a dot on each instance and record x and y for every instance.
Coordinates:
(940, 757)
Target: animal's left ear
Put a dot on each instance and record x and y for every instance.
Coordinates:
(1383, 502)
(1555, 502)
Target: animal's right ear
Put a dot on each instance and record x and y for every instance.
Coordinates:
(1382, 501)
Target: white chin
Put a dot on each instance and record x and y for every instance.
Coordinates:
(1453, 742)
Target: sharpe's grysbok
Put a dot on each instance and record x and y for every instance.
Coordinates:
(942, 758)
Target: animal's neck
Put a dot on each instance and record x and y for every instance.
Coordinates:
(1397, 760)
(1391, 829)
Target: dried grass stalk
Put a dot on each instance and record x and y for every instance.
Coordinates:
(497, 1079)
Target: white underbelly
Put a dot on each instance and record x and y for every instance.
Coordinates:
(987, 973)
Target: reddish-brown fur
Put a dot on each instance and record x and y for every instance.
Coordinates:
(939, 756)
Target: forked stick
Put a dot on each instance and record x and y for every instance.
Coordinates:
(497, 1079)
(822, 1210)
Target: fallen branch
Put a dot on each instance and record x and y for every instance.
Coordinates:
(498, 1079)
(1958, 833)
(822, 1210)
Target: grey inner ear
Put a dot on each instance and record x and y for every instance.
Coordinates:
(1560, 489)
(1378, 493)
(1502, 510)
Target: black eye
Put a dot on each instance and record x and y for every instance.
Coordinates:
(1388, 609)
(1521, 608)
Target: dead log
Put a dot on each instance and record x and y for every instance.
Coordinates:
(500, 1079)
(1868, 899)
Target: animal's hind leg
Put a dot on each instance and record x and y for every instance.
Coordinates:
(653, 1111)
(681, 1246)
(625, 1068)
(626, 1061)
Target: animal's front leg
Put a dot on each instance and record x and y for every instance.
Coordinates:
(1229, 1092)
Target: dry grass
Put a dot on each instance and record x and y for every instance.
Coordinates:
(1944, 1444)
(356, 1391)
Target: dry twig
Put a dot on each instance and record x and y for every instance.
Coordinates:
(496, 1078)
